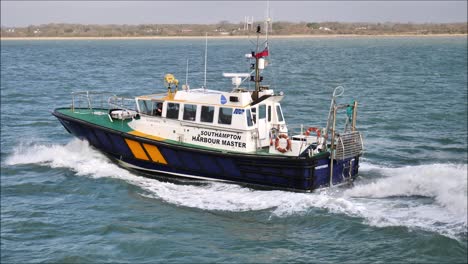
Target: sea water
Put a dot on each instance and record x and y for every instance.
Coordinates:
(63, 201)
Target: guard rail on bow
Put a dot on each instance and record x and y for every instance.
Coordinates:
(90, 100)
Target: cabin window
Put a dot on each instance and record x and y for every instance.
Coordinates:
(145, 106)
(249, 118)
(279, 113)
(254, 115)
(261, 112)
(157, 108)
(172, 111)
(190, 111)
(207, 114)
(225, 116)
(269, 113)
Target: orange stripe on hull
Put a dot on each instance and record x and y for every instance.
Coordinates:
(140, 134)
(136, 149)
(154, 153)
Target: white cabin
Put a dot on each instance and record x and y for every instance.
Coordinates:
(228, 121)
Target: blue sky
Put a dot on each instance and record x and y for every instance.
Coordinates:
(23, 13)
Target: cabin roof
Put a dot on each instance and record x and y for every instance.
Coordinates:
(239, 98)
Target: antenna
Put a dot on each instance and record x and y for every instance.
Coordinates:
(186, 76)
(186, 73)
(206, 56)
(267, 21)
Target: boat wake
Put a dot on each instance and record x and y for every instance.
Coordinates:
(428, 197)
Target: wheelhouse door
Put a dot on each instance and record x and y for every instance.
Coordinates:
(262, 125)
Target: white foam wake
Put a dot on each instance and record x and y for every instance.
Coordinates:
(446, 183)
(431, 197)
(76, 155)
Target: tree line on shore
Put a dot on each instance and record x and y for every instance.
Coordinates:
(225, 28)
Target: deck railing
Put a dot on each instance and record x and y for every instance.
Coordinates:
(90, 100)
(101, 100)
(120, 102)
(348, 145)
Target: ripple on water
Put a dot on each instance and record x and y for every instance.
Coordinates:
(64, 202)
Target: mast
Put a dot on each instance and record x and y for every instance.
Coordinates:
(259, 64)
(259, 58)
(257, 70)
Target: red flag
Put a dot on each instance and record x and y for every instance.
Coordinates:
(264, 53)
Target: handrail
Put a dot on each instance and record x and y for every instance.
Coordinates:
(348, 145)
(339, 89)
(89, 98)
(113, 102)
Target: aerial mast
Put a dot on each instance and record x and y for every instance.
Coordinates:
(257, 58)
(259, 64)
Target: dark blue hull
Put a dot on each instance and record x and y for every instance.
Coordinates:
(283, 172)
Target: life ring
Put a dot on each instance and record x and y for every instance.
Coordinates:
(312, 129)
(288, 145)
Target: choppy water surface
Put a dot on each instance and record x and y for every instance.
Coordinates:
(62, 201)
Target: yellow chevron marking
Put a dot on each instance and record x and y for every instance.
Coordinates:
(136, 149)
(140, 134)
(154, 153)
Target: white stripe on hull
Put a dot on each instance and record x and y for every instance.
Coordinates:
(123, 163)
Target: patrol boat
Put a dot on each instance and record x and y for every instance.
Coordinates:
(238, 136)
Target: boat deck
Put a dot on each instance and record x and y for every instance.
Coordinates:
(98, 117)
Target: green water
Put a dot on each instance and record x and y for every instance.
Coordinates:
(62, 201)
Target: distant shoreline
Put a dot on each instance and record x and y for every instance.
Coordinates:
(234, 37)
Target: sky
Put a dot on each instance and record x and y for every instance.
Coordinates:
(24, 13)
